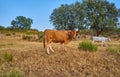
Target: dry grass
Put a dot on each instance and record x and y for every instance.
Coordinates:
(31, 59)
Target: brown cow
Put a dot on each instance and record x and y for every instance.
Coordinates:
(57, 36)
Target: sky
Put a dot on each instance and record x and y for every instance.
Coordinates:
(38, 10)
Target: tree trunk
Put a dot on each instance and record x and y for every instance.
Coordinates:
(98, 32)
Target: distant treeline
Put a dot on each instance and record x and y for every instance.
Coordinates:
(5, 29)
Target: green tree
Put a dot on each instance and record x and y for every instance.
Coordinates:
(79, 16)
(21, 23)
(97, 15)
(68, 16)
(59, 17)
(101, 15)
(119, 12)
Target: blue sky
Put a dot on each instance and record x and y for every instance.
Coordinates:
(38, 10)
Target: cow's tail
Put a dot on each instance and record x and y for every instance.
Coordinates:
(44, 41)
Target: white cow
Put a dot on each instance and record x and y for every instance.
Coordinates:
(100, 39)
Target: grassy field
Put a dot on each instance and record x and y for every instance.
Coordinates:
(31, 60)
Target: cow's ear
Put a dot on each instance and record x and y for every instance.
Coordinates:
(70, 34)
(74, 33)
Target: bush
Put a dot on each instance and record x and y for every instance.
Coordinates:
(30, 37)
(87, 46)
(8, 34)
(87, 32)
(40, 36)
(26, 37)
(8, 56)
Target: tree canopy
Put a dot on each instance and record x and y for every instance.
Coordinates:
(97, 15)
(100, 15)
(68, 16)
(21, 23)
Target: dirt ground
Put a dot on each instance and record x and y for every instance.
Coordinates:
(31, 59)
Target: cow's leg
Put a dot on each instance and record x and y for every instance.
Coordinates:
(64, 46)
(48, 48)
(48, 52)
(103, 43)
(51, 48)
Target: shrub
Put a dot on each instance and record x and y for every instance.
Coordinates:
(29, 37)
(40, 36)
(8, 56)
(8, 34)
(87, 46)
(14, 33)
(26, 37)
(87, 32)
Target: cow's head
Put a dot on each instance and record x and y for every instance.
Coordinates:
(108, 39)
(72, 34)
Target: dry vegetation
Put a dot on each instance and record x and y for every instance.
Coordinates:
(31, 59)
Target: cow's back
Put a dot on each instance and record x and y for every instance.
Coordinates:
(60, 35)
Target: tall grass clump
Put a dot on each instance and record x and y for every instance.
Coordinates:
(87, 46)
(13, 73)
(8, 56)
